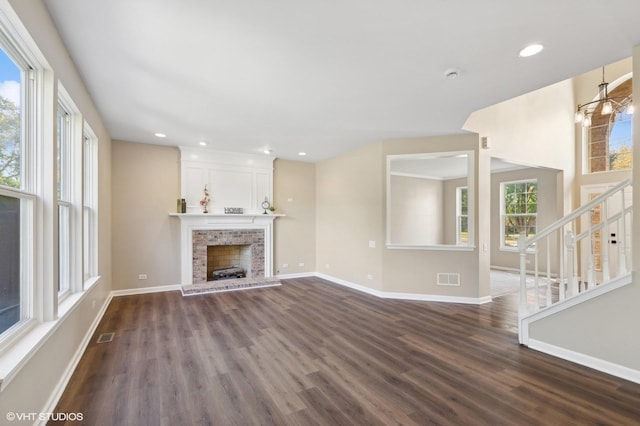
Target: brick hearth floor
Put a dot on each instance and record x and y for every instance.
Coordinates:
(229, 285)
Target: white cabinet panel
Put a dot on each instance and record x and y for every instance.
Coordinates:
(230, 189)
(263, 189)
(193, 181)
(233, 179)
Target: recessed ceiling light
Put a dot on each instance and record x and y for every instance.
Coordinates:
(302, 154)
(267, 151)
(203, 143)
(530, 50)
(160, 135)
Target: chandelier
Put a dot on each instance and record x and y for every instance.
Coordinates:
(610, 104)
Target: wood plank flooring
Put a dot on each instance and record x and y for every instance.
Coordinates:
(314, 353)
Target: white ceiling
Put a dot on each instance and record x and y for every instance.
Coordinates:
(320, 76)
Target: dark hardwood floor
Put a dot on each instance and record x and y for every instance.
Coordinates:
(311, 352)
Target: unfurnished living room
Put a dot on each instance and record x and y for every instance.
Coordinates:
(294, 213)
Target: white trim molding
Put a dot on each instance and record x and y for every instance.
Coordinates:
(406, 296)
(145, 290)
(586, 360)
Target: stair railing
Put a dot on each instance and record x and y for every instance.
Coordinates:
(575, 253)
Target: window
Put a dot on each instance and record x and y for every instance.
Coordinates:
(462, 215)
(518, 211)
(63, 174)
(16, 198)
(89, 206)
(609, 136)
(10, 118)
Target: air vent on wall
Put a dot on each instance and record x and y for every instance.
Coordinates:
(448, 278)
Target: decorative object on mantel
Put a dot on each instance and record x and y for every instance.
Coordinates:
(181, 206)
(233, 210)
(266, 205)
(205, 200)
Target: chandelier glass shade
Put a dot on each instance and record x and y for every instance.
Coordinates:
(605, 105)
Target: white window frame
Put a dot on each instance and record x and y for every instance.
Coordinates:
(503, 214)
(90, 206)
(65, 228)
(70, 201)
(26, 193)
(459, 214)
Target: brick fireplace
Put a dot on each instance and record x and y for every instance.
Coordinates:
(197, 231)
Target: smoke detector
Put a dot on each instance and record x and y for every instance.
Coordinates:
(452, 73)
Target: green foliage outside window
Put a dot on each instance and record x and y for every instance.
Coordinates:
(520, 211)
(9, 143)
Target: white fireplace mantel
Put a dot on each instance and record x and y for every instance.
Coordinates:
(190, 222)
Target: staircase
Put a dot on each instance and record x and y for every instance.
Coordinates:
(582, 255)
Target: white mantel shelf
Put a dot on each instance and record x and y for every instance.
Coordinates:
(244, 215)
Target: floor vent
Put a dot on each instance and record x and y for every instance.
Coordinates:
(105, 337)
(448, 278)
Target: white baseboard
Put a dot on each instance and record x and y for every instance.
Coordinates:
(405, 296)
(144, 290)
(587, 360)
(51, 404)
(299, 275)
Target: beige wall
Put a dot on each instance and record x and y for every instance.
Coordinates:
(548, 212)
(32, 387)
(414, 271)
(294, 194)
(349, 214)
(534, 130)
(416, 210)
(146, 240)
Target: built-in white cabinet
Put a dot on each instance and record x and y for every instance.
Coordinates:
(233, 179)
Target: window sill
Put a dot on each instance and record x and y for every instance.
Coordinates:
(15, 357)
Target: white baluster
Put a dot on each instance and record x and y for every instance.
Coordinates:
(572, 283)
(604, 243)
(548, 301)
(524, 308)
(622, 239)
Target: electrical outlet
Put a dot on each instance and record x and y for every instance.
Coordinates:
(142, 276)
(326, 266)
(369, 276)
(372, 244)
(301, 264)
(285, 265)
